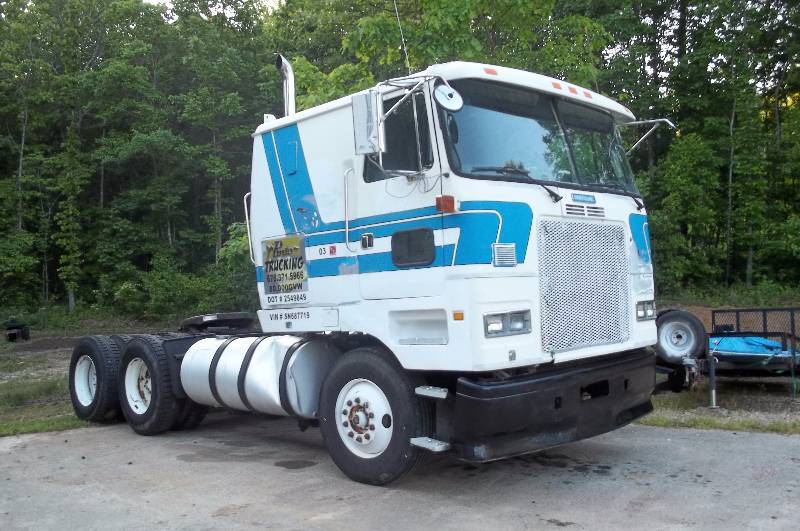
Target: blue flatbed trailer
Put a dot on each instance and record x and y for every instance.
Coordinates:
(756, 342)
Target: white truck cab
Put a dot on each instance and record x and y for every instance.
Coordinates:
(453, 261)
(507, 233)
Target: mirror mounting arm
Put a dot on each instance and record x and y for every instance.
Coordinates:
(404, 98)
(655, 123)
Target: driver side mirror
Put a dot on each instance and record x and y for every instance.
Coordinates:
(368, 133)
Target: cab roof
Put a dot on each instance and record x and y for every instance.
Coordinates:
(501, 74)
(467, 70)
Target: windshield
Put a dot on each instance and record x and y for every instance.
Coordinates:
(511, 133)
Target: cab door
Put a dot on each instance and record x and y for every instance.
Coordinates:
(402, 249)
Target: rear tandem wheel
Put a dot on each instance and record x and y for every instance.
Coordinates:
(93, 379)
(145, 387)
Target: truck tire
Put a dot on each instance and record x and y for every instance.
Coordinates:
(122, 340)
(190, 416)
(680, 335)
(145, 387)
(369, 413)
(93, 379)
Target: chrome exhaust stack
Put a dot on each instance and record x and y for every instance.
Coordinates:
(282, 64)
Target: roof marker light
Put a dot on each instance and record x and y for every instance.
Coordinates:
(573, 90)
(556, 85)
(490, 71)
(587, 94)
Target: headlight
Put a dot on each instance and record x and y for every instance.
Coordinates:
(507, 324)
(494, 324)
(645, 310)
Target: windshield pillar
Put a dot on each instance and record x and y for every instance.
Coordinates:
(566, 142)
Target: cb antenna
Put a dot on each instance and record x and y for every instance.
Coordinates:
(402, 38)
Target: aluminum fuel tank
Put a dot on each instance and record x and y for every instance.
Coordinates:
(278, 375)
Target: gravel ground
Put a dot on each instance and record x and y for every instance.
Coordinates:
(238, 471)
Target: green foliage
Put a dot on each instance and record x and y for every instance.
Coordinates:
(167, 291)
(125, 148)
(17, 267)
(684, 229)
(316, 87)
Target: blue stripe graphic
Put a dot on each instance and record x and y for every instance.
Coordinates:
(640, 232)
(480, 223)
(277, 187)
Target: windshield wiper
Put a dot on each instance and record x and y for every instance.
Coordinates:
(502, 169)
(639, 204)
(511, 170)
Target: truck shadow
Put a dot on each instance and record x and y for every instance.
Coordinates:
(227, 436)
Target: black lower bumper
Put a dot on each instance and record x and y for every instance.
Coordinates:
(500, 418)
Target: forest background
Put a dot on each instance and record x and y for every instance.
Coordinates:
(125, 131)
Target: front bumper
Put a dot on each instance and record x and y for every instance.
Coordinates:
(493, 419)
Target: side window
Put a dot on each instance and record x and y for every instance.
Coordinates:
(401, 140)
(414, 247)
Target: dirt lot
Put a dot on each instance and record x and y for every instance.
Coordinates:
(237, 472)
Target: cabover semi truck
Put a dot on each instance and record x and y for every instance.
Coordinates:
(453, 261)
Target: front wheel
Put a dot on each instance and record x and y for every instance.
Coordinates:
(368, 414)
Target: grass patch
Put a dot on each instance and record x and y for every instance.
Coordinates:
(10, 363)
(714, 422)
(59, 423)
(746, 404)
(22, 392)
(28, 406)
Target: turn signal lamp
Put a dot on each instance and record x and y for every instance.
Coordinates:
(446, 204)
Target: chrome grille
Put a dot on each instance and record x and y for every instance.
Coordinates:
(583, 284)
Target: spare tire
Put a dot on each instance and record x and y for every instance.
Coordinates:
(93, 379)
(680, 335)
(145, 386)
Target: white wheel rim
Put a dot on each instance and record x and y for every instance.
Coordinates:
(364, 418)
(676, 338)
(85, 380)
(138, 386)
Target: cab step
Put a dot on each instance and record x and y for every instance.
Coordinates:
(432, 445)
(429, 391)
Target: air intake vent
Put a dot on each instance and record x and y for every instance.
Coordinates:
(504, 254)
(580, 210)
(575, 210)
(595, 212)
